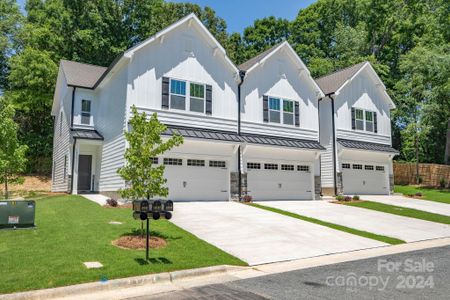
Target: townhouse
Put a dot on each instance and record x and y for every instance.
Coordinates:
(249, 129)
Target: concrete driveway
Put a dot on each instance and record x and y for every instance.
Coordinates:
(257, 236)
(404, 228)
(399, 200)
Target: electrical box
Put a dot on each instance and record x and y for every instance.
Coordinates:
(17, 213)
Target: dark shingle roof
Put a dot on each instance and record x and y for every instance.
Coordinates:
(87, 134)
(253, 61)
(366, 146)
(249, 138)
(81, 75)
(332, 82)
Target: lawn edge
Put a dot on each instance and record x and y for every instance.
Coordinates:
(365, 234)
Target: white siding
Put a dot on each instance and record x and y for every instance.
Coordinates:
(61, 137)
(326, 140)
(278, 77)
(171, 59)
(111, 121)
(363, 93)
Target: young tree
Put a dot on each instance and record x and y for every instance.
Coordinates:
(12, 154)
(145, 179)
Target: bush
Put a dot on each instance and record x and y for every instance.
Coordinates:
(442, 183)
(247, 199)
(347, 199)
(356, 197)
(418, 194)
(340, 198)
(112, 202)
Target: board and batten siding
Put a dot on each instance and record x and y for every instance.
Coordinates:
(184, 54)
(362, 92)
(111, 122)
(61, 137)
(278, 77)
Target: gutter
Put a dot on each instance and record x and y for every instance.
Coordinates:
(242, 76)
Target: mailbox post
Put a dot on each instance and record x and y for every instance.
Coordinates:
(143, 209)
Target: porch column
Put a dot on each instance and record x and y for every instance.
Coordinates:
(75, 169)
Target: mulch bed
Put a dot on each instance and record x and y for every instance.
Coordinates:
(343, 202)
(137, 243)
(128, 205)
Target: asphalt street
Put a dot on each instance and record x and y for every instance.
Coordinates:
(423, 274)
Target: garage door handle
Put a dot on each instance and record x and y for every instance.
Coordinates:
(223, 191)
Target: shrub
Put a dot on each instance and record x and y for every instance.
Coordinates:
(355, 197)
(418, 194)
(347, 199)
(112, 202)
(339, 198)
(247, 199)
(442, 183)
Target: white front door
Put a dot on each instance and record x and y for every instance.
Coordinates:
(197, 179)
(364, 178)
(279, 181)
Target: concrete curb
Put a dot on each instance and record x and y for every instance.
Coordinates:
(114, 284)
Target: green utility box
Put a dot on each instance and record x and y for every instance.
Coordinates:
(17, 214)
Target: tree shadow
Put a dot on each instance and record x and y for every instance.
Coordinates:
(155, 233)
(153, 261)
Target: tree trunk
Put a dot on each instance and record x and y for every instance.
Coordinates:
(447, 147)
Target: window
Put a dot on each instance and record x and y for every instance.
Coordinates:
(368, 167)
(197, 99)
(274, 110)
(288, 112)
(196, 162)
(60, 123)
(369, 121)
(251, 165)
(379, 168)
(359, 119)
(345, 166)
(173, 161)
(357, 167)
(154, 160)
(177, 94)
(271, 166)
(303, 168)
(287, 167)
(217, 164)
(65, 167)
(85, 112)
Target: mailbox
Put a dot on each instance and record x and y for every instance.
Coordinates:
(19, 213)
(168, 205)
(141, 206)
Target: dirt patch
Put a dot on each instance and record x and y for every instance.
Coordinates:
(137, 243)
(128, 205)
(31, 183)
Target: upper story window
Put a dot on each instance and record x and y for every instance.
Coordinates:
(364, 120)
(177, 94)
(274, 110)
(288, 112)
(197, 99)
(85, 112)
(281, 111)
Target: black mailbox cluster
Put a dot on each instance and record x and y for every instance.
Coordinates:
(144, 209)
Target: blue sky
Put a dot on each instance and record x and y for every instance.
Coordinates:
(241, 13)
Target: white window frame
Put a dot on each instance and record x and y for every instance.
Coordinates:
(281, 110)
(187, 96)
(364, 119)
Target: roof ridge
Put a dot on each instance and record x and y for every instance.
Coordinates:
(82, 63)
(340, 70)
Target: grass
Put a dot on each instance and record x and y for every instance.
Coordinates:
(381, 238)
(402, 211)
(431, 194)
(72, 230)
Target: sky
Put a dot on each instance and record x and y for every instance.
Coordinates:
(241, 13)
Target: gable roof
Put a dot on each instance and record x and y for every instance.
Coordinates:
(81, 75)
(252, 63)
(332, 82)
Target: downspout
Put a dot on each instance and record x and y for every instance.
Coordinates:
(73, 105)
(241, 76)
(334, 143)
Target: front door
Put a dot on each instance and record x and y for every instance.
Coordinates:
(84, 173)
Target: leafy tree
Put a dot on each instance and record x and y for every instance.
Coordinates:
(145, 180)
(12, 153)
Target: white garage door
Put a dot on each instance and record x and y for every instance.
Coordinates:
(196, 179)
(278, 181)
(364, 179)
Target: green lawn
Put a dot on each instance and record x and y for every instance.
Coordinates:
(402, 211)
(381, 238)
(72, 230)
(442, 196)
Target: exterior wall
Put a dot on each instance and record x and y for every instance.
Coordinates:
(191, 59)
(362, 93)
(326, 140)
(111, 123)
(279, 78)
(61, 138)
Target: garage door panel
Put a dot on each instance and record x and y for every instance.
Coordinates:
(365, 181)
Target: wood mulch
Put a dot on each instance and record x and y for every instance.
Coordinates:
(128, 205)
(136, 242)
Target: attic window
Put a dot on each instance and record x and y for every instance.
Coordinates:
(85, 112)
